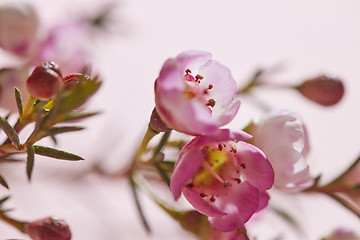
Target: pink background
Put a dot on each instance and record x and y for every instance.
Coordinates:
(305, 37)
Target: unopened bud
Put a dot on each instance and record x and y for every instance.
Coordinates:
(18, 27)
(323, 90)
(156, 123)
(72, 79)
(44, 81)
(49, 228)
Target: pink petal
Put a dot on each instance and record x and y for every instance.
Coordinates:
(257, 170)
(201, 205)
(240, 204)
(263, 201)
(187, 165)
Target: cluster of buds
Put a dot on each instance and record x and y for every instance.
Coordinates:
(46, 80)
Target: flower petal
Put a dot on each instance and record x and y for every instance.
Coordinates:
(188, 163)
(256, 168)
(240, 205)
(201, 205)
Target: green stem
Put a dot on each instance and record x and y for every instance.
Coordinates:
(15, 223)
(138, 205)
(161, 145)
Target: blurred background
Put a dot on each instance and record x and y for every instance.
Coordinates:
(301, 39)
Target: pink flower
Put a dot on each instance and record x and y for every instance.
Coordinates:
(195, 94)
(9, 79)
(48, 229)
(65, 44)
(342, 234)
(223, 179)
(283, 138)
(18, 27)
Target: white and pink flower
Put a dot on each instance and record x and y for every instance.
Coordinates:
(195, 94)
(283, 138)
(18, 27)
(223, 179)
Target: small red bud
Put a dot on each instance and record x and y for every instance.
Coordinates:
(49, 228)
(72, 79)
(157, 124)
(323, 90)
(44, 81)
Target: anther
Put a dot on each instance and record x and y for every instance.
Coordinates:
(203, 195)
(226, 184)
(220, 147)
(210, 86)
(187, 71)
(237, 180)
(212, 199)
(199, 77)
(243, 165)
(190, 185)
(211, 103)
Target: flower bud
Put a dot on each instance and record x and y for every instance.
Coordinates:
(323, 90)
(72, 79)
(18, 27)
(44, 81)
(156, 123)
(49, 228)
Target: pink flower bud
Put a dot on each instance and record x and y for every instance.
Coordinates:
(44, 81)
(49, 228)
(156, 123)
(18, 27)
(72, 79)
(323, 90)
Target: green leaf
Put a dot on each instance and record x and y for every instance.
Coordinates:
(30, 161)
(19, 103)
(74, 115)
(4, 199)
(138, 205)
(10, 132)
(57, 130)
(10, 160)
(3, 182)
(55, 153)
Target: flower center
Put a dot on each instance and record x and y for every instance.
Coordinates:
(193, 89)
(214, 162)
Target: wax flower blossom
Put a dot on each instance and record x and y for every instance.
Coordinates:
(223, 179)
(71, 37)
(195, 94)
(283, 138)
(18, 27)
(9, 79)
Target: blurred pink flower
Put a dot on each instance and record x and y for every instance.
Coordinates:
(65, 44)
(223, 179)
(48, 229)
(9, 79)
(18, 27)
(342, 234)
(283, 138)
(195, 94)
